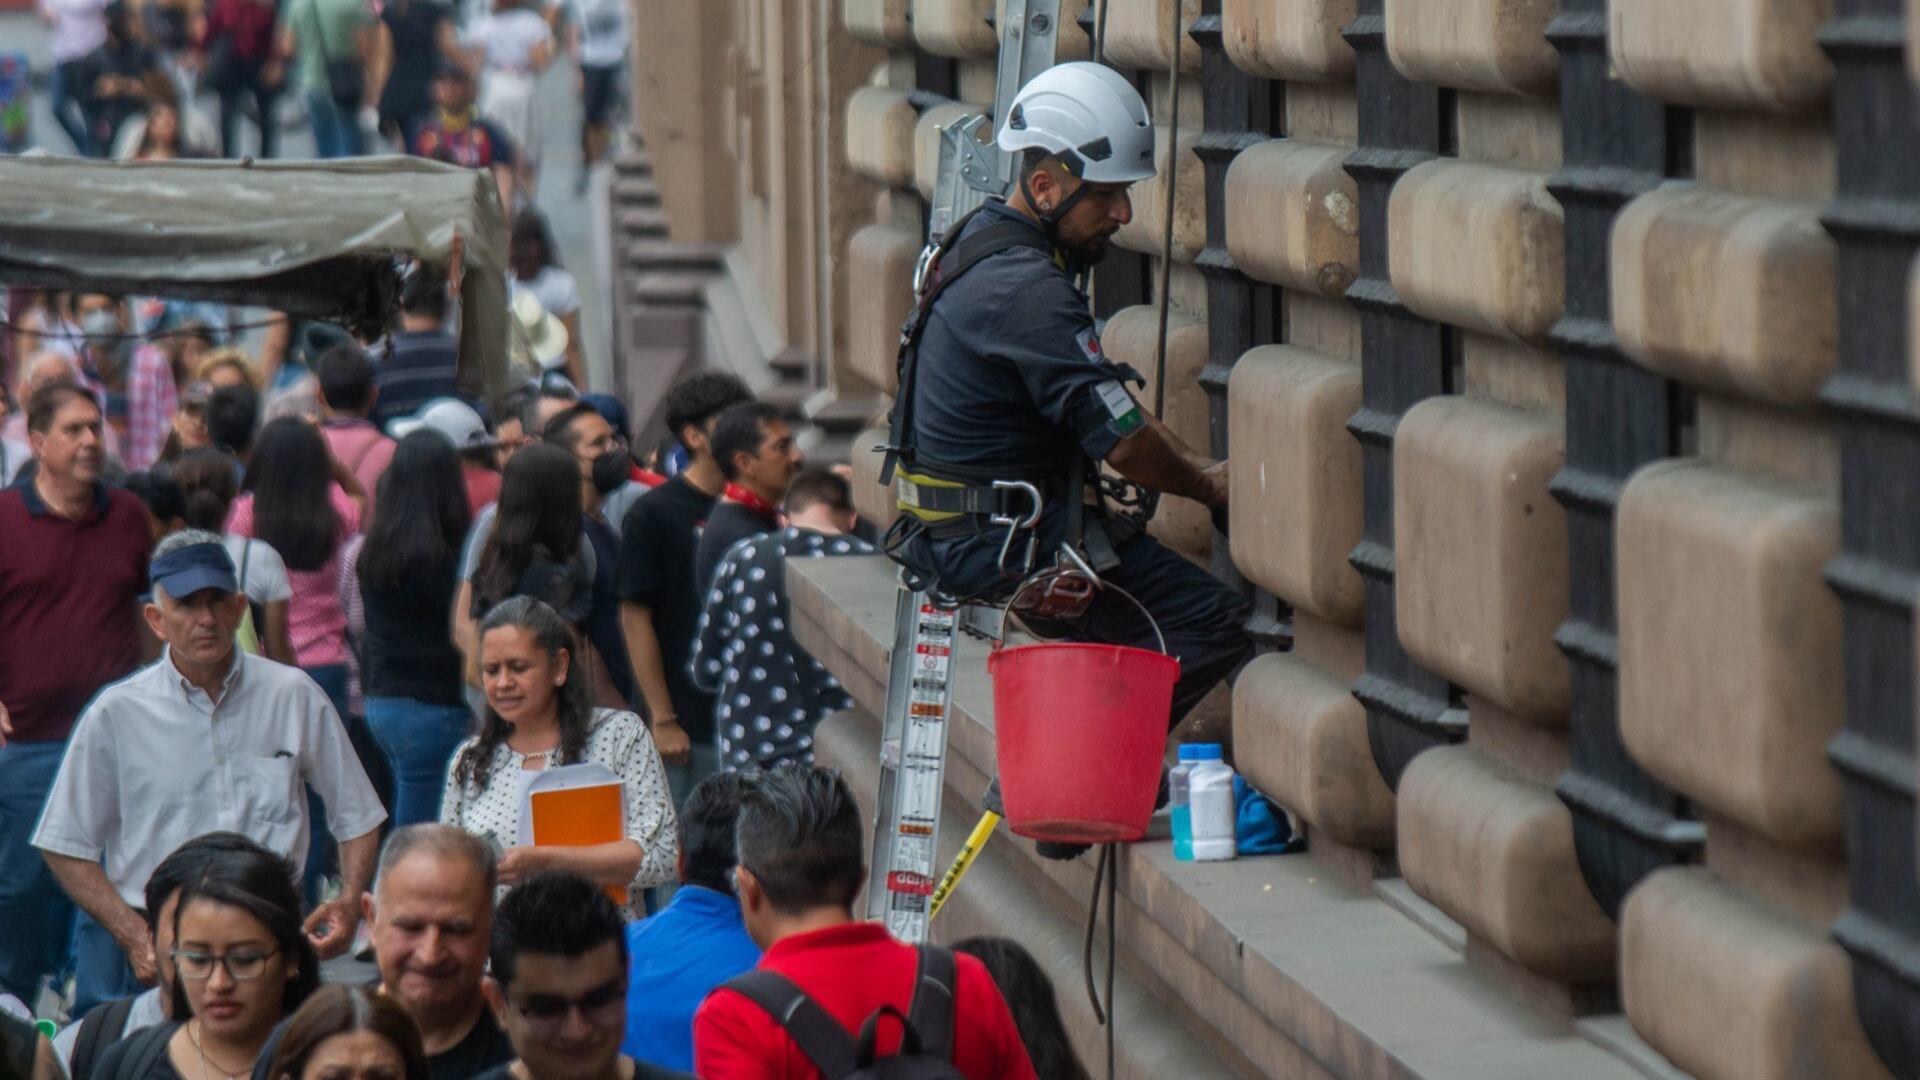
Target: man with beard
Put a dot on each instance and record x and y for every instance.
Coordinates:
(1003, 382)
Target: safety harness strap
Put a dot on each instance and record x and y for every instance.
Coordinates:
(950, 264)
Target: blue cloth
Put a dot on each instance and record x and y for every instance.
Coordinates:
(675, 959)
(100, 968)
(36, 918)
(418, 738)
(1259, 827)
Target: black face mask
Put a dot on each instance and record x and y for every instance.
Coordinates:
(609, 472)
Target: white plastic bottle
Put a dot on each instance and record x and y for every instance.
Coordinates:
(1210, 798)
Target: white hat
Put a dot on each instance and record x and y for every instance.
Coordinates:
(450, 417)
(539, 336)
(1087, 115)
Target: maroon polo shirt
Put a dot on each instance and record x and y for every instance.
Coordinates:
(68, 603)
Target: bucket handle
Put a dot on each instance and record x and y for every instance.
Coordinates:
(1006, 610)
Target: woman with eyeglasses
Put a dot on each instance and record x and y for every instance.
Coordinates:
(241, 964)
(346, 1033)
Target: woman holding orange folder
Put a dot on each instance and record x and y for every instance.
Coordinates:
(539, 714)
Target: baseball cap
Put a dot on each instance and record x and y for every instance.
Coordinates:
(452, 418)
(187, 570)
(610, 410)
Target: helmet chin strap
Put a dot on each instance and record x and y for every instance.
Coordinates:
(1050, 219)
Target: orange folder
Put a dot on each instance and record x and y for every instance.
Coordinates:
(578, 817)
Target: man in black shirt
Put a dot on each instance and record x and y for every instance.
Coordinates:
(426, 358)
(660, 608)
(755, 450)
(430, 916)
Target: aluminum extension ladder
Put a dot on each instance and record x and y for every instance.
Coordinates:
(902, 882)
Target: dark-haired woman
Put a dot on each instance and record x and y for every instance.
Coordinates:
(206, 480)
(344, 1031)
(529, 545)
(299, 500)
(241, 964)
(409, 569)
(539, 715)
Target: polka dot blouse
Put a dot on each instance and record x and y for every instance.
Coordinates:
(620, 741)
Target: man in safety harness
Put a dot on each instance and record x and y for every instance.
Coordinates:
(1007, 405)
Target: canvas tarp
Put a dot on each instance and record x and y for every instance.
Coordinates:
(318, 239)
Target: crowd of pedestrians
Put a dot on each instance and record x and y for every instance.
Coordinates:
(275, 691)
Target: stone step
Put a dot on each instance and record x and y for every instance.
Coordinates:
(1275, 964)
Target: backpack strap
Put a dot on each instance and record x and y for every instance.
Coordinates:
(935, 992)
(100, 1028)
(144, 1050)
(951, 263)
(818, 1035)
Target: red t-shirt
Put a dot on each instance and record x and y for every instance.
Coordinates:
(69, 593)
(483, 486)
(851, 970)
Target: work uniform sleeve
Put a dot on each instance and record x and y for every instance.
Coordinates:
(83, 809)
(328, 762)
(1048, 336)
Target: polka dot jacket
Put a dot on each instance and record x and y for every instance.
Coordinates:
(769, 693)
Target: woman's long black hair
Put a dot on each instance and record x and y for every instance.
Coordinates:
(259, 883)
(1030, 998)
(419, 517)
(290, 474)
(538, 518)
(574, 709)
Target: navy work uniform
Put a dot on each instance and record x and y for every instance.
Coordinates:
(1008, 382)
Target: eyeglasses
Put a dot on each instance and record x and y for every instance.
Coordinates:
(242, 966)
(599, 1004)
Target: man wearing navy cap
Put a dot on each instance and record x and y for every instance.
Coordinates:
(207, 738)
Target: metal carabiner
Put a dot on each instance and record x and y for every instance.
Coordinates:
(1015, 524)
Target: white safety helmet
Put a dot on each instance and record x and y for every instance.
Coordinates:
(1087, 115)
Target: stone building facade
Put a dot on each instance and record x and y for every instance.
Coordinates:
(1562, 349)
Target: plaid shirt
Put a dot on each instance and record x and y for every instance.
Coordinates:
(151, 399)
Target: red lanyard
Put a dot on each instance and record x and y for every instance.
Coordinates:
(753, 502)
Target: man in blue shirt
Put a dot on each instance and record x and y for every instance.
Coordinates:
(698, 941)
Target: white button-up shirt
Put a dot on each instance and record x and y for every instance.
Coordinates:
(155, 762)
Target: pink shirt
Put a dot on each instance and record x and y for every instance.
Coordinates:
(315, 620)
(151, 399)
(361, 447)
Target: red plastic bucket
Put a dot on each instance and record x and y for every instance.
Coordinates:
(1082, 732)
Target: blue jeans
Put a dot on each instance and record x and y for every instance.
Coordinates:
(101, 972)
(65, 105)
(336, 131)
(36, 918)
(418, 738)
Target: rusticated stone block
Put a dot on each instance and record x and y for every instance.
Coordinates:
(1296, 40)
(1731, 696)
(1293, 216)
(878, 22)
(926, 142)
(1140, 35)
(1479, 246)
(880, 260)
(1494, 45)
(1728, 291)
(956, 28)
(1495, 851)
(1481, 550)
(880, 124)
(871, 498)
(1730, 988)
(1130, 337)
(1149, 196)
(1296, 478)
(1300, 735)
(1733, 53)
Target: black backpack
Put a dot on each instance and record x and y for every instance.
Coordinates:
(926, 1037)
(103, 1026)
